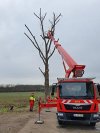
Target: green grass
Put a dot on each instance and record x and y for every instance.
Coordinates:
(20, 101)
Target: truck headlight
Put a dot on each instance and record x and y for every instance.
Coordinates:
(96, 115)
(60, 114)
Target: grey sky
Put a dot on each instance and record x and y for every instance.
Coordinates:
(78, 31)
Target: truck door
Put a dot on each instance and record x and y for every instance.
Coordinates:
(98, 95)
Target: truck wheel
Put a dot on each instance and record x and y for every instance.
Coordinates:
(92, 124)
(60, 122)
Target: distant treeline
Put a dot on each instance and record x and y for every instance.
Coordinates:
(21, 88)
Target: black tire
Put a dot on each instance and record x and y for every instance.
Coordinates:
(92, 124)
(60, 122)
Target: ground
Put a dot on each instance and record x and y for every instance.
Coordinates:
(24, 122)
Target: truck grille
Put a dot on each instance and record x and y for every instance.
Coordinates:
(75, 107)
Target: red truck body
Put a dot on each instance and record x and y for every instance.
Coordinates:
(77, 97)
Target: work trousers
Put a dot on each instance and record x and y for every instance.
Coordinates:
(31, 105)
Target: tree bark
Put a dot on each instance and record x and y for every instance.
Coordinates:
(47, 90)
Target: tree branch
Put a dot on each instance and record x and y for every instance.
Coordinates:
(57, 21)
(29, 30)
(40, 53)
(52, 53)
(49, 46)
(36, 15)
(31, 41)
(44, 16)
(57, 17)
(35, 44)
(43, 35)
(42, 72)
(53, 24)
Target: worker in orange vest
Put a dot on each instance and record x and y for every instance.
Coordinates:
(31, 101)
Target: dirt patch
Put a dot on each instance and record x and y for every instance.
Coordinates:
(13, 122)
(24, 122)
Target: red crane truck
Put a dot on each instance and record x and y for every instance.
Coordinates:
(77, 97)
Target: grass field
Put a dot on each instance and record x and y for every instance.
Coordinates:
(20, 101)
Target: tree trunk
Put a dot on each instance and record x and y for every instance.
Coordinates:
(47, 91)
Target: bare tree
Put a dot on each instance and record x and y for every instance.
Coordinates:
(47, 45)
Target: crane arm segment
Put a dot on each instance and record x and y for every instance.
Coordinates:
(77, 70)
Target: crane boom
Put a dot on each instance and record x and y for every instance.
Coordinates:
(77, 70)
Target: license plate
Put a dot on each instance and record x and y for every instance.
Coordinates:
(78, 115)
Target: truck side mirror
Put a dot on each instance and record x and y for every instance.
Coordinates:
(53, 90)
(60, 86)
(98, 87)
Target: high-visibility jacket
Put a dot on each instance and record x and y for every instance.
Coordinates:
(32, 98)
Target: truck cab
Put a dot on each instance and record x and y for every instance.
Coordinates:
(77, 101)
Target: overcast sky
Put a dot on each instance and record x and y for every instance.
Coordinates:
(78, 31)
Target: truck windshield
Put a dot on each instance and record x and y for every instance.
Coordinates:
(79, 90)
